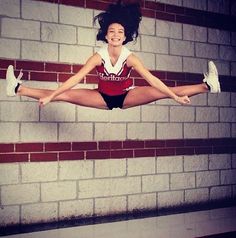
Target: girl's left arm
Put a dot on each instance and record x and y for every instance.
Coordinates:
(133, 61)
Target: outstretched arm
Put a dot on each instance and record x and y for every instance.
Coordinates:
(91, 63)
(133, 61)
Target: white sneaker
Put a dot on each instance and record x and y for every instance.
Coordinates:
(12, 81)
(212, 78)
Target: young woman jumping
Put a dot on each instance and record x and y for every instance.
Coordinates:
(119, 24)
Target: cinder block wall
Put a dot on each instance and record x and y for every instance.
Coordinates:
(65, 161)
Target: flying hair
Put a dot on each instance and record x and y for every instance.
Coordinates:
(127, 15)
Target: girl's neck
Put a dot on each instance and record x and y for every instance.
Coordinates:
(114, 51)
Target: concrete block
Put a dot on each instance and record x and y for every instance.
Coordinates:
(75, 131)
(74, 170)
(109, 187)
(110, 168)
(58, 33)
(40, 212)
(194, 65)
(233, 69)
(172, 2)
(169, 164)
(197, 195)
(209, 51)
(10, 132)
(195, 130)
(181, 48)
(182, 181)
(39, 172)
(207, 114)
(218, 36)
(21, 29)
(20, 194)
(219, 6)
(9, 174)
(58, 112)
(233, 99)
(75, 16)
(141, 166)
(10, 8)
(196, 163)
(233, 130)
(200, 4)
(208, 178)
(58, 191)
(108, 131)
(74, 54)
(227, 114)
(37, 132)
(147, 26)
(154, 44)
(219, 130)
(19, 111)
(148, 59)
(127, 115)
(155, 183)
(9, 215)
(111, 205)
(233, 161)
(170, 199)
(219, 100)
(39, 51)
(168, 29)
(133, 45)
(221, 192)
(142, 202)
(86, 114)
(155, 113)
(169, 130)
(76, 208)
(169, 63)
(39, 11)
(10, 48)
(141, 130)
(221, 161)
(228, 176)
(182, 114)
(227, 53)
(86, 36)
(194, 33)
(199, 100)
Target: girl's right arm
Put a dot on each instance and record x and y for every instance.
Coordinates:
(91, 63)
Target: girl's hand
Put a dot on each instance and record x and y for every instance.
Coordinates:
(45, 100)
(182, 100)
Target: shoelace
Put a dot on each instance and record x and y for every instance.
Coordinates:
(19, 77)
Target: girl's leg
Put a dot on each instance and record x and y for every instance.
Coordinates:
(82, 97)
(144, 95)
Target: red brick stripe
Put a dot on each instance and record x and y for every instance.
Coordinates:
(59, 151)
(164, 12)
(56, 72)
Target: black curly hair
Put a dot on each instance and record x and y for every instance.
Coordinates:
(128, 15)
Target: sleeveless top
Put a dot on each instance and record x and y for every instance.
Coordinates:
(114, 80)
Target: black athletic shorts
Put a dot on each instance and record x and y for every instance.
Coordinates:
(114, 101)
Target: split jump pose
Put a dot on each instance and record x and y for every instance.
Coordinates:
(118, 25)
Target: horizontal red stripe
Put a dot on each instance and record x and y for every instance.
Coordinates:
(52, 151)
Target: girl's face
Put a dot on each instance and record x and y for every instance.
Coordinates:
(115, 34)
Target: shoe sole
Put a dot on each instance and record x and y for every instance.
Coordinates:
(212, 66)
(10, 72)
